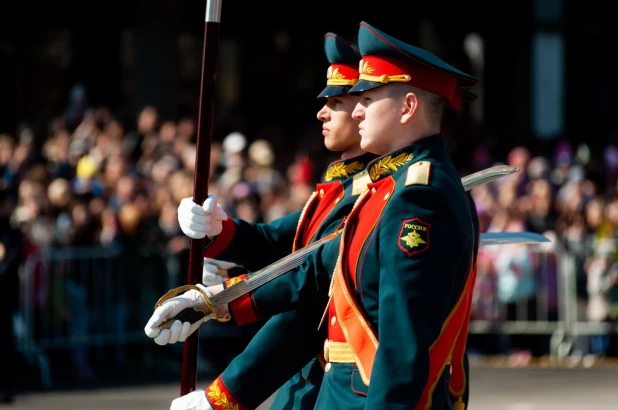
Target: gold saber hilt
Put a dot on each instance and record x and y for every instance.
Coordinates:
(191, 315)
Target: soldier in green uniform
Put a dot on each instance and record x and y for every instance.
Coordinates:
(256, 245)
(406, 256)
(396, 321)
(407, 252)
(294, 337)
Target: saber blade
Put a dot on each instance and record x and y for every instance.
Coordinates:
(282, 266)
(272, 271)
(294, 260)
(487, 175)
(512, 238)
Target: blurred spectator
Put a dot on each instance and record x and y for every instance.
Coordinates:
(11, 256)
(77, 106)
(135, 140)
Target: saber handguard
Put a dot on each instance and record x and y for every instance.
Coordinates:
(193, 314)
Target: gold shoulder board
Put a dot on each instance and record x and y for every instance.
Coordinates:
(418, 173)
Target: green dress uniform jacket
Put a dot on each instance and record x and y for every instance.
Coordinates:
(405, 259)
(283, 340)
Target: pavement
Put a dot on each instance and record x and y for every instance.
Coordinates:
(492, 388)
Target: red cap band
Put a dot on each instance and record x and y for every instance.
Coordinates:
(386, 70)
(342, 74)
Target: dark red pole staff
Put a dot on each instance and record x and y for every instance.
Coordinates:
(202, 173)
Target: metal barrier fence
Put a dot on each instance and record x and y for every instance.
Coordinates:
(78, 298)
(535, 291)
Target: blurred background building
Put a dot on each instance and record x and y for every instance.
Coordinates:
(544, 64)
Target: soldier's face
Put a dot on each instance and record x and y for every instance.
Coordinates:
(380, 120)
(340, 130)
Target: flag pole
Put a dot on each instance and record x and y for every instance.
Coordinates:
(202, 173)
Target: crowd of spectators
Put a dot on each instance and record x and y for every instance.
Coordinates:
(90, 180)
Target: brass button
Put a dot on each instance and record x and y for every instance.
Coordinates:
(337, 200)
(321, 193)
(373, 190)
(450, 370)
(333, 321)
(387, 195)
(327, 367)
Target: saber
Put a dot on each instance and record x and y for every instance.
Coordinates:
(295, 259)
(202, 173)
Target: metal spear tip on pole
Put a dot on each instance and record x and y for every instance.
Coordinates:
(213, 11)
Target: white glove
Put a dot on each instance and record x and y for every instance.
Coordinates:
(179, 332)
(198, 221)
(210, 276)
(196, 400)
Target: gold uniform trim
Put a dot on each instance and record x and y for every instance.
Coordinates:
(338, 352)
(418, 173)
(388, 164)
(301, 219)
(334, 77)
(341, 82)
(342, 169)
(233, 281)
(385, 79)
(220, 398)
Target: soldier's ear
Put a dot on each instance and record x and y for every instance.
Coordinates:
(410, 107)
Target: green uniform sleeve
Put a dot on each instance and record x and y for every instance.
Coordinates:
(279, 350)
(254, 245)
(298, 289)
(421, 253)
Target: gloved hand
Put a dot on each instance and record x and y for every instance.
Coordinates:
(196, 400)
(215, 270)
(198, 221)
(179, 332)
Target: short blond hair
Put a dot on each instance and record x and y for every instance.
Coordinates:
(435, 105)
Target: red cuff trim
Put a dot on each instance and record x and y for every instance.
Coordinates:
(221, 398)
(243, 310)
(221, 241)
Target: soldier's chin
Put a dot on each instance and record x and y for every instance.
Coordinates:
(331, 144)
(366, 144)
